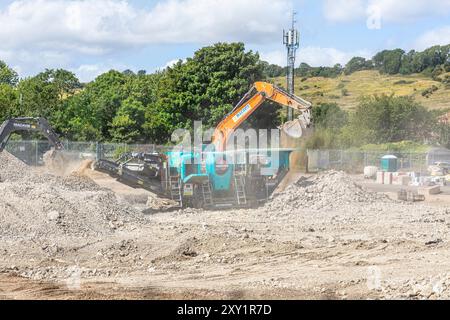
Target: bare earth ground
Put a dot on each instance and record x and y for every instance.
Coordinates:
(331, 249)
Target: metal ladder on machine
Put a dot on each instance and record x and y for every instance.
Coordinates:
(175, 190)
(239, 184)
(207, 193)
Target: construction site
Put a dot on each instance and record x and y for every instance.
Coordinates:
(84, 236)
(222, 176)
(164, 226)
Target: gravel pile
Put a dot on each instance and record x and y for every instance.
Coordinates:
(332, 189)
(431, 287)
(36, 205)
(11, 168)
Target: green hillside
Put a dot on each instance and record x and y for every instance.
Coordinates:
(346, 90)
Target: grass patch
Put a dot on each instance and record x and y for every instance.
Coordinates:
(402, 146)
(370, 82)
(404, 82)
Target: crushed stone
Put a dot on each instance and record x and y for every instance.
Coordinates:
(328, 190)
(39, 205)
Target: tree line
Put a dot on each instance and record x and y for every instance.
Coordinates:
(377, 120)
(146, 108)
(136, 107)
(432, 62)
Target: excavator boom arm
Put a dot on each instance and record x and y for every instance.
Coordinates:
(250, 103)
(28, 124)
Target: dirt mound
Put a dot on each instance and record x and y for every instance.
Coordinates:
(62, 163)
(327, 190)
(10, 167)
(34, 204)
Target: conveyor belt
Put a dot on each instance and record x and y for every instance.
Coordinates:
(128, 176)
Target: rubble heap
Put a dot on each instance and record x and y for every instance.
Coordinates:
(332, 189)
(35, 204)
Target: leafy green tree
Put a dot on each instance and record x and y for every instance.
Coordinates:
(328, 119)
(205, 87)
(305, 70)
(8, 102)
(77, 121)
(66, 82)
(329, 116)
(90, 113)
(136, 107)
(38, 97)
(272, 70)
(408, 63)
(389, 61)
(128, 72)
(357, 64)
(8, 75)
(111, 108)
(381, 119)
(41, 95)
(431, 61)
(443, 135)
(127, 124)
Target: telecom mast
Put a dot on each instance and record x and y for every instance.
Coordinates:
(291, 40)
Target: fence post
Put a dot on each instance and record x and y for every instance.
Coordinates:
(410, 161)
(98, 151)
(36, 147)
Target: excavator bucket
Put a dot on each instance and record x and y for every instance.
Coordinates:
(55, 160)
(293, 128)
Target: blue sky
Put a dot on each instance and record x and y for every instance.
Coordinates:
(89, 37)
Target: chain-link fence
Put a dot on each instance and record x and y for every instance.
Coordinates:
(32, 152)
(355, 161)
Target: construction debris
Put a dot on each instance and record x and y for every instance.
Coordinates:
(328, 190)
(408, 195)
(427, 191)
(35, 204)
(323, 237)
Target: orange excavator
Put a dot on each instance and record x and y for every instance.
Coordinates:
(206, 179)
(253, 99)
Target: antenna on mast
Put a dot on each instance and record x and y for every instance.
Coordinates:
(291, 39)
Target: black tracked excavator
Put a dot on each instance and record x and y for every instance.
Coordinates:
(39, 125)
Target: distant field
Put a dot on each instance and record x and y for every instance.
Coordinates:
(347, 90)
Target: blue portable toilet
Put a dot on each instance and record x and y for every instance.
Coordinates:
(389, 163)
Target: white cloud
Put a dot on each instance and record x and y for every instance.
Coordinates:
(27, 62)
(88, 72)
(277, 57)
(171, 63)
(378, 11)
(168, 64)
(97, 27)
(343, 10)
(440, 36)
(315, 56)
(411, 10)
